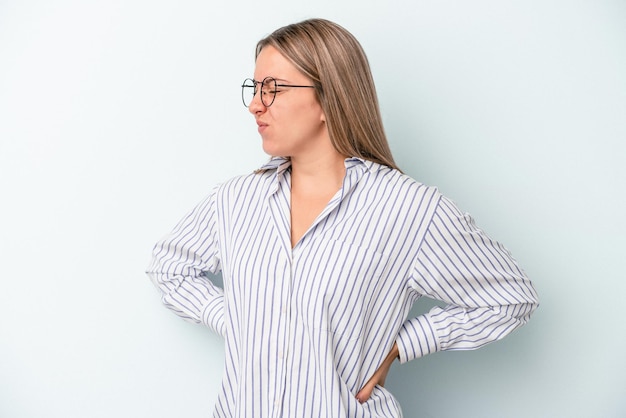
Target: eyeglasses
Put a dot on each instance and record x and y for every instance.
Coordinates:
(269, 88)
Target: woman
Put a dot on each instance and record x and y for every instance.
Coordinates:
(324, 249)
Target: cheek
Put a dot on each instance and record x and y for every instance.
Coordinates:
(297, 118)
(309, 114)
(315, 110)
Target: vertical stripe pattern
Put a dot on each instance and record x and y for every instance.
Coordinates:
(306, 327)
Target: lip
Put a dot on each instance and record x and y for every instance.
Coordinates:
(261, 126)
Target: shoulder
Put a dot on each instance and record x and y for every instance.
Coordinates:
(400, 183)
(246, 184)
(251, 186)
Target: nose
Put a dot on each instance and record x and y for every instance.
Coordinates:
(256, 105)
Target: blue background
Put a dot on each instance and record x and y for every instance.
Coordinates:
(116, 117)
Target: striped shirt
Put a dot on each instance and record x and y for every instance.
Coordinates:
(306, 327)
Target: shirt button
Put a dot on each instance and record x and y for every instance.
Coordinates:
(280, 354)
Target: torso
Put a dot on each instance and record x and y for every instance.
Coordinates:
(311, 190)
(306, 205)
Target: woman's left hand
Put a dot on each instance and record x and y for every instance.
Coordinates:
(378, 378)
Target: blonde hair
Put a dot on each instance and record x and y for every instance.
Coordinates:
(335, 61)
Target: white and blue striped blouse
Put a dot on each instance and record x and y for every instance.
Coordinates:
(306, 327)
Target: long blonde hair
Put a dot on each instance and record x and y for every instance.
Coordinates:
(335, 61)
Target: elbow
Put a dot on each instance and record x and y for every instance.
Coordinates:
(531, 305)
(522, 312)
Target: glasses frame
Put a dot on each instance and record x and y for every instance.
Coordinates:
(256, 83)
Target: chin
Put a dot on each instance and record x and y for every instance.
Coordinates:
(273, 151)
(268, 151)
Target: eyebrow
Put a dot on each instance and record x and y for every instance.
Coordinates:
(275, 78)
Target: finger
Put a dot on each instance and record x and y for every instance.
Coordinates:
(365, 392)
(363, 395)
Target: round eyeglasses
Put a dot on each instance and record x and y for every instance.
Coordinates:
(269, 88)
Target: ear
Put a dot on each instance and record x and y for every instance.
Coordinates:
(323, 117)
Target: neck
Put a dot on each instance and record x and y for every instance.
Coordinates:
(327, 167)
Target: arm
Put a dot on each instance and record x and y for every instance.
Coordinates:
(379, 377)
(179, 265)
(487, 294)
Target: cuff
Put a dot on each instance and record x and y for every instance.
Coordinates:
(417, 338)
(213, 316)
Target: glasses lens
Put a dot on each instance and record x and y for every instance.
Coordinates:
(248, 88)
(268, 91)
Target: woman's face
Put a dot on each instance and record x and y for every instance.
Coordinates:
(294, 124)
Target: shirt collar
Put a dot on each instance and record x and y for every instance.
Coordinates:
(364, 165)
(280, 164)
(355, 169)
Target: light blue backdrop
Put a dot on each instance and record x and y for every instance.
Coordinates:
(116, 117)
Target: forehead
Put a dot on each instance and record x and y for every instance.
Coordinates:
(271, 63)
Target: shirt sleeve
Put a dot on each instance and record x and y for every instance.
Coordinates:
(486, 293)
(181, 261)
